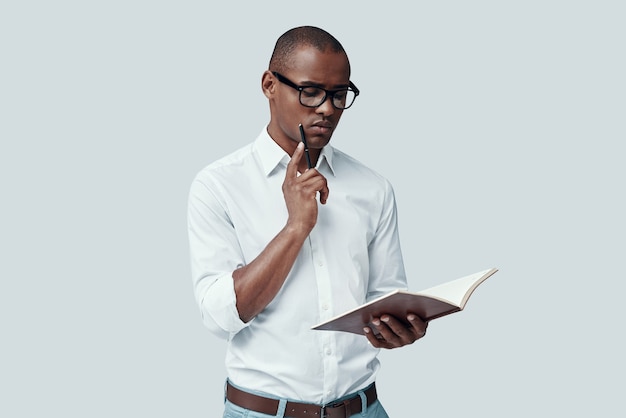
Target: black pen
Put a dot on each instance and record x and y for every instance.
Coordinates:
(306, 147)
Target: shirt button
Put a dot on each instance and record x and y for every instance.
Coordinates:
(328, 351)
(320, 263)
(325, 306)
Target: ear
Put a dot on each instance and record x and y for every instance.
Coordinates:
(268, 84)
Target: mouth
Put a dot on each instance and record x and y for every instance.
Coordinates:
(322, 128)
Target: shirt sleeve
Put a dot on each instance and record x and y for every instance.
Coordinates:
(385, 255)
(215, 254)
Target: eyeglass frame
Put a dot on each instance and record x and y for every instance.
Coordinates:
(327, 93)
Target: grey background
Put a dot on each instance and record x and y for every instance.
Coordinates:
(500, 124)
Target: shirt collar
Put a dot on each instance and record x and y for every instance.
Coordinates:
(327, 155)
(272, 155)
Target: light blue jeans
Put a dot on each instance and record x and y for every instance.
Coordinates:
(231, 410)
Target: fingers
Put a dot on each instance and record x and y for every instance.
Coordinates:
(389, 332)
(418, 325)
(311, 179)
(324, 193)
(374, 339)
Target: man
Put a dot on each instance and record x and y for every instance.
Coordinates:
(277, 247)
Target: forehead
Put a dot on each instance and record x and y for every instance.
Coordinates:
(328, 67)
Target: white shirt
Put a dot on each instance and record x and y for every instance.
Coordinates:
(352, 255)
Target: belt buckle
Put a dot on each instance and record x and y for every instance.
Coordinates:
(324, 413)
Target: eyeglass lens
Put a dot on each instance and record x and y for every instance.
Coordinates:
(313, 97)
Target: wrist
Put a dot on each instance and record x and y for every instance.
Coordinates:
(297, 230)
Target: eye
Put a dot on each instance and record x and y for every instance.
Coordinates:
(341, 95)
(312, 92)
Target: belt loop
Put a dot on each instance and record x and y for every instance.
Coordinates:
(346, 408)
(282, 405)
(363, 403)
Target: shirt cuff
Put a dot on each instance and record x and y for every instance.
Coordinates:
(219, 307)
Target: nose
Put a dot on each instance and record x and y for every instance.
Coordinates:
(326, 108)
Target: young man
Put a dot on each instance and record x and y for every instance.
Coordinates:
(277, 247)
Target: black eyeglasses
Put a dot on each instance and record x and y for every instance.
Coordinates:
(311, 96)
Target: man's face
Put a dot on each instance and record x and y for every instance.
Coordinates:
(310, 67)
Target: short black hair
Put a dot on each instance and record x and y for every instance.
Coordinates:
(298, 37)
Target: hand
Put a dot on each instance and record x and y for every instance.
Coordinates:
(300, 192)
(394, 333)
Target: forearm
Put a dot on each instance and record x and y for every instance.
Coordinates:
(257, 283)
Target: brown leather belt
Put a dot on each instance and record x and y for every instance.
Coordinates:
(341, 409)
